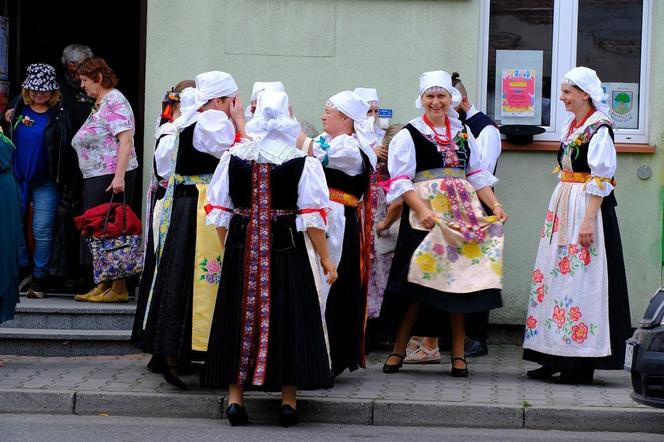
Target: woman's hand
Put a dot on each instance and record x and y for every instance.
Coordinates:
(329, 269)
(381, 151)
(500, 213)
(9, 115)
(117, 185)
(427, 218)
(382, 226)
(237, 111)
(586, 233)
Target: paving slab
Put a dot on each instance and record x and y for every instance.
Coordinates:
(497, 394)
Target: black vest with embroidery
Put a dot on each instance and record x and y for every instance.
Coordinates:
(579, 159)
(427, 155)
(355, 185)
(191, 161)
(284, 181)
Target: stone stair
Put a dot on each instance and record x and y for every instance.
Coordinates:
(60, 326)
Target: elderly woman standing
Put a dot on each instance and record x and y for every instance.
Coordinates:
(106, 156)
(43, 164)
(266, 198)
(344, 150)
(449, 253)
(578, 312)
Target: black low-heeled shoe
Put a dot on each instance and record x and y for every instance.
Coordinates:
(287, 416)
(390, 368)
(237, 415)
(542, 373)
(156, 364)
(460, 372)
(170, 375)
(576, 377)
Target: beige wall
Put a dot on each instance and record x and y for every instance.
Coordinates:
(319, 47)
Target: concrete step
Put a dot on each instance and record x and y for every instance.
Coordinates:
(65, 313)
(65, 342)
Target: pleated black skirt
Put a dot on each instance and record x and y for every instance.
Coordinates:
(138, 334)
(345, 309)
(435, 304)
(620, 326)
(297, 353)
(168, 327)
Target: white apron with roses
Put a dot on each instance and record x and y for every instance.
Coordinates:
(568, 306)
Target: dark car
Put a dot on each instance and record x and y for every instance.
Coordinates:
(644, 357)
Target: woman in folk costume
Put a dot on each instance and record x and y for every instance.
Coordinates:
(258, 87)
(182, 101)
(379, 266)
(449, 253)
(181, 291)
(578, 312)
(344, 150)
(268, 331)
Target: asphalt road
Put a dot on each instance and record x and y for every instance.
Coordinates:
(31, 427)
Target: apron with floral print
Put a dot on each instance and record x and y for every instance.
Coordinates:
(463, 253)
(568, 308)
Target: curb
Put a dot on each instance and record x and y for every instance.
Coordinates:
(336, 410)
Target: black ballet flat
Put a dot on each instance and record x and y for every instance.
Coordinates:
(542, 373)
(389, 368)
(459, 372)
(288, 416)
(576, 377)
(237, 415)
(155, 365)
(168, 371)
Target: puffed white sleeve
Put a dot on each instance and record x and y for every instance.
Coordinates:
(214, 133)
(163, 154)
(476, 171)
(489, 143)
(313, 197)
(602, 162)
(220, 207)
(401, 165)
(342, 155)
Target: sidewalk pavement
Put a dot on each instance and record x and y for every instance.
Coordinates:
(497, 394)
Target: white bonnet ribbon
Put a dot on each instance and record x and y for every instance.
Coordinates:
(588, 81)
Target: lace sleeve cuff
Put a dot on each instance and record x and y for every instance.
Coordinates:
(304, 221)
(599, 186)
(481, 178)
(398, 188)
(219, 217)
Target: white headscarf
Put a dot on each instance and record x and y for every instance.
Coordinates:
(367, 94)
(261, 86)
(354, 107)
(273, 130)
(188, 107)
(213, 84)
(442, 80)
(588, 81)
(438, 79)
(272, 120)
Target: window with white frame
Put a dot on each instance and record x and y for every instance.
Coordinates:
(529, 46)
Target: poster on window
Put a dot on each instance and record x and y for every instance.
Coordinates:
(4, 56)
(623, 101)
(518, 87)
(518, 98)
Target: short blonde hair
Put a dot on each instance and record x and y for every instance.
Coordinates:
(56, 95)
(391, 132)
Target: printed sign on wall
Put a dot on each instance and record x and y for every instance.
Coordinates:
(623, 101)
(518, 98)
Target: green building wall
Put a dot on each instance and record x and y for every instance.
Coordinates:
(320, 47)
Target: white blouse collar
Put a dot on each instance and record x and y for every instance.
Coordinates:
(594, 118)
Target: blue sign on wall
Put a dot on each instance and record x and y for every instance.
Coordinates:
(384, 113)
